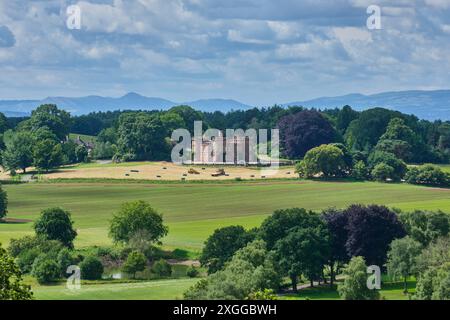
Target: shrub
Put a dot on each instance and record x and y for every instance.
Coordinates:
(162, 268)
(428, 175)
(192, 272)
(45, 270)
(64, 260)
(91, 268)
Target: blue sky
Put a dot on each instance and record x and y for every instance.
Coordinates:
(257, 51)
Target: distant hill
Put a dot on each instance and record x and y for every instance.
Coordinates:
(429, 105)
(130, 101)
(217, 104)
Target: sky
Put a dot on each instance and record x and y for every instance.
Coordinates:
(259, 52)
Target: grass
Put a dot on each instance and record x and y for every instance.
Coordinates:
(149, 290)
(194, 211)
(83, 137)
(389, 291)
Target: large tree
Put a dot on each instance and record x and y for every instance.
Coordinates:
(47, 154)
(18, 153)
(141, 136)
(425, 226)
(326, 160)
(252, 268)
(221, 245)
(137, 216)
(56, 224)
(354, 286)
(303, 251)
(303, 131)
(371, 229)
(402, 259)
(49, 116)
(336, 222)
(278, 225)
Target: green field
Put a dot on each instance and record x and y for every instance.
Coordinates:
(389, 291)
(193, 211)
(150, 290)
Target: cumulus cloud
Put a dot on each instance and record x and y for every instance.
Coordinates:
(260, 51)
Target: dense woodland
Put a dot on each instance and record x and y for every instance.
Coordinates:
(372, 144)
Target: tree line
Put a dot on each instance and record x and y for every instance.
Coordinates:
(299, 245)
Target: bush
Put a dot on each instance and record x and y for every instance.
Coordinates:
(162, 268)
(428, 175)
(45, 270)
(192, 272)
(26, 259)
(91, 268)
(382, 172)
(64, 260)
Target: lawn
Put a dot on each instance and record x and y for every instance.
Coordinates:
(389, 291)
(150, 290)
(193, 211)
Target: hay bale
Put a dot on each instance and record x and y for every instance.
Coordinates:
(193, 171)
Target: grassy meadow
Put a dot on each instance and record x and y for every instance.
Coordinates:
(194, 210)
(149, 290)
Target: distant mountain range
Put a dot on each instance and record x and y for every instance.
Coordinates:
(424, 104)
(130, 101)
(430, 105)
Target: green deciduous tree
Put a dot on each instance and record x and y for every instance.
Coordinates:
(251, 269)
(327, 160)
(11, 283)
(48, 115)
(56, 224)
(47, 154)
(3, 203)
(133, 217)
(162, 268)
(354, 286)
(221, 246)
(382, 172)
(425, 226)
(136, 261)
(391, 160)
(402, 259)
(278, 225)
(303, 251)
(18, 153)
